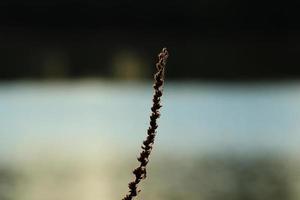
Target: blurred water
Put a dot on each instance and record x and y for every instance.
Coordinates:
(195, 118)
(78, 140)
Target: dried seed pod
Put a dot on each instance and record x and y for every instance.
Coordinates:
(140, 172)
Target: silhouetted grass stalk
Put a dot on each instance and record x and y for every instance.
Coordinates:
(140, 172)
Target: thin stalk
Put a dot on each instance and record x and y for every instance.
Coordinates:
(140, 172)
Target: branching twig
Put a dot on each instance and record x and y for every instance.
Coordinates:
(140, 172)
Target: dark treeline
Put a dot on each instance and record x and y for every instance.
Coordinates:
(232, 40)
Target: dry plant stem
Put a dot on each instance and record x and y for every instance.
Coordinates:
(140, 172)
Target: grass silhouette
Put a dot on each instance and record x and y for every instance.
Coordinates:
(140, 172)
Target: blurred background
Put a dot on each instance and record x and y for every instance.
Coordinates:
(75, 97)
